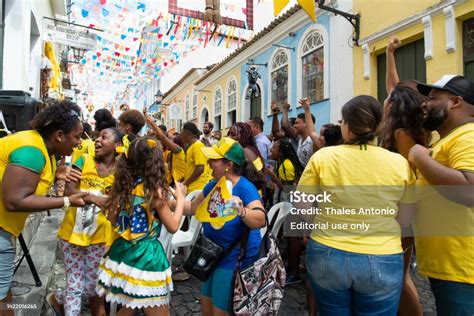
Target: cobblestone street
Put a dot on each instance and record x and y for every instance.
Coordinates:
(185, 297)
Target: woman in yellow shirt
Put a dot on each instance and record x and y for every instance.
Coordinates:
(85, 231)
(27, 172)
(355, 260)
(289, 168)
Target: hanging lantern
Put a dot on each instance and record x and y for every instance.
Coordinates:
(78, 53)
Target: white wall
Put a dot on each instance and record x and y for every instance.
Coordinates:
(22, 50)
(341, 77)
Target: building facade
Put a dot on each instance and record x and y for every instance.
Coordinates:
(294, 58)
(180, 103)
(23, 42)
(437, 38)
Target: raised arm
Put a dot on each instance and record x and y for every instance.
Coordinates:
(275, 123)
(285, 124)
(161, 136)
(317, 143)
(391, 78)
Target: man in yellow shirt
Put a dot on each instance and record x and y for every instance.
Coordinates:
(444, 224)
(197, 171)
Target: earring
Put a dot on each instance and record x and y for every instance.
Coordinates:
(226, 169)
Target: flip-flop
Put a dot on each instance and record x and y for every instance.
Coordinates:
(49, 301)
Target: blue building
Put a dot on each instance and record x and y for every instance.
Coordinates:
(295, 58)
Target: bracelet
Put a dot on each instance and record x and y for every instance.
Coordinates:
(67, 203)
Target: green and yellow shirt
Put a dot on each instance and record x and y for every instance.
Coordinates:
(26, 149)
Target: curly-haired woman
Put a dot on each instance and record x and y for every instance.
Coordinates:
(27, 172)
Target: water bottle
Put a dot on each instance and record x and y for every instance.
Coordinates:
(231, 207)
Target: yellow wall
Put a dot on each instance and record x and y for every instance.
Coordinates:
(180, 99)
(379, 15)
(222, 82)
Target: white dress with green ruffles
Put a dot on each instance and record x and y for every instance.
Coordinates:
(135, 272)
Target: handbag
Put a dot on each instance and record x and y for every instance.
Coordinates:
(205, 256)
(258, 289)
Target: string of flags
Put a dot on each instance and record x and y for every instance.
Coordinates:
(141, 43)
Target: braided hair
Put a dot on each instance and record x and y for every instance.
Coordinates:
(287, 151)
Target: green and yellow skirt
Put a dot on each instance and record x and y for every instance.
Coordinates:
(135, 274)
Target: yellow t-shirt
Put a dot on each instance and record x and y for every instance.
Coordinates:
(26, 149)
(444, 230)
(88, 225)
(286, 171)
(258, 164)
(195, 157)
(178, 165)
(358, 178)
(87, 146)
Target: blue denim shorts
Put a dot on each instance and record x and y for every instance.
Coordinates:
(218, 288)
(7, 261)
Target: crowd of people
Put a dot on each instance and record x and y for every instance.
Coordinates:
(123, 190)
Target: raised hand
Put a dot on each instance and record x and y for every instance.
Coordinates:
(304, 103)
(275, 108)
(67, 173)
(393, 44)
(180, 190)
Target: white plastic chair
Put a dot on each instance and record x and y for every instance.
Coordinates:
(283, 209)
(186, 239)
(182, 235)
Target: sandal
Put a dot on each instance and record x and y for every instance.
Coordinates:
(50, 299)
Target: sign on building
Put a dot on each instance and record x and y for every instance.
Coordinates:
(69, 36)
(69, 93)
(175, 112)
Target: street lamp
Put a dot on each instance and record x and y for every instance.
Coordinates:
(158, 97)
(78, 53)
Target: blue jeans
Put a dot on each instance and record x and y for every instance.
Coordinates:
(453, 298)
(348, 283)
(7, 259)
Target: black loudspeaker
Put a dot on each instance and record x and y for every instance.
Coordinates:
(18, 108)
